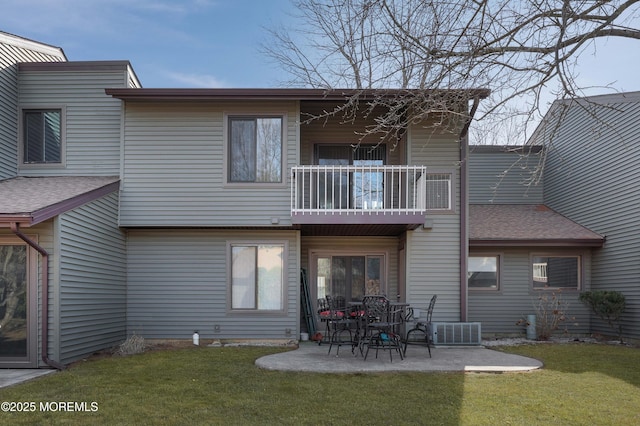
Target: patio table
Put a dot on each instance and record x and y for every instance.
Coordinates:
(391, 322)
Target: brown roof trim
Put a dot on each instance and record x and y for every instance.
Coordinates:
(7, 219)
(74, 66)
(269, 94)
(537, 243)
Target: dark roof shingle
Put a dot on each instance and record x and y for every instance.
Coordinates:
(528, 224)
(39, 198)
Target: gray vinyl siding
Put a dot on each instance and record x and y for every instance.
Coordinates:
(354, 246)
(175, 167)
(433, 254)
(12, 52)
(499, 311)
(93, 119)
(334, 131)
(92, 279)
(592, 177)
(178, 283)
(503, 177)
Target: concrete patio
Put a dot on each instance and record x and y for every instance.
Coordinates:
(311, 357)
(14, 376)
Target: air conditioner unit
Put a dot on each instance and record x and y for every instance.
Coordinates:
(456, 333)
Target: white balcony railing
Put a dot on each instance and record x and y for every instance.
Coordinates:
(358, 189)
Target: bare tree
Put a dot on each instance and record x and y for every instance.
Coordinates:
(521, 50)
(12, 283)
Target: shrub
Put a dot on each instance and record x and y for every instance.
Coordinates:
(608, 305)
(133, 345)
(551, 311)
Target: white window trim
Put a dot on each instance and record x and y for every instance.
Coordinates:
(63, 137)
(452, 190)
(227, 155)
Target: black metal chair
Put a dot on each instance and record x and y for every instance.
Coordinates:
(421, 328)
(339, 324)
(379, 328)
(323, 316)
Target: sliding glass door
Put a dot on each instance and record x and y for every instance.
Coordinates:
(361, 189)
(17, 324)
(350, 277)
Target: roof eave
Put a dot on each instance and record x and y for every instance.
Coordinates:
(148, 94)
(24, 220)
(584, 242)
(40, 215)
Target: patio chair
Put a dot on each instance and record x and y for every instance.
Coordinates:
(379, 327)
(339, 324)
(422, 329)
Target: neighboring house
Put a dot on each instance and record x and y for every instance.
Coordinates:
(592, 176)
(163, 211)
(520, 250)
(15, 49)
(63, 255)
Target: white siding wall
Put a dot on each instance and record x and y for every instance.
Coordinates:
(13, 50)
(92, 118)
(433, 255)
(177, 283)
(175, 167)
(592, 176)
(92, 286)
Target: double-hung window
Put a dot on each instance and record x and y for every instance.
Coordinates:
(42, 136)
(257, 276)
(255, 149)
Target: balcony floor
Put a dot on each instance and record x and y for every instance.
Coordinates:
(355, 230)
(355, 224)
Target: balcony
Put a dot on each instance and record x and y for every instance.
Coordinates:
(343, 195)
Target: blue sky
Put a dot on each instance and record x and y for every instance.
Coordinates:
(170, 43)
(214, 43)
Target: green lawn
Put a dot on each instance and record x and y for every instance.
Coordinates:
(580, 384)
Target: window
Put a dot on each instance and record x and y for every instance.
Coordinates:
(42, 136)
(439, 191)
(483, 272)
(556, 272)
(257, 276)
(255, 147)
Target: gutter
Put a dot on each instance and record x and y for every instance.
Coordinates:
(464, 224)
(464, 210)
(15, 228)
